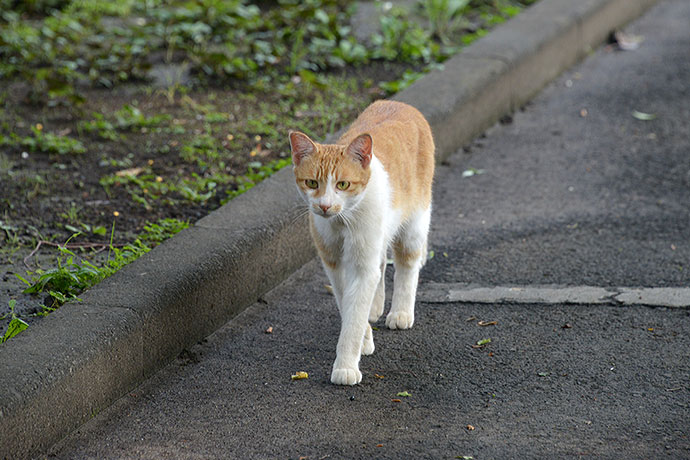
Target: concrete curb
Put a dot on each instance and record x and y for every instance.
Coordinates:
(86, 355)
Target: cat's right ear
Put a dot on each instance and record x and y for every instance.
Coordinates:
(301, 146)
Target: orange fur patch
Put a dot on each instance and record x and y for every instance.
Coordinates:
(331, 160)
(403, 256)
(404, 144)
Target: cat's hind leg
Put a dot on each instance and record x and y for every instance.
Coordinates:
(409, 254)
(380, 296)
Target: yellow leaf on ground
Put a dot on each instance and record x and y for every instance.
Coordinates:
(300, 375)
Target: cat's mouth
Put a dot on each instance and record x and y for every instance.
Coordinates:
(326, 211)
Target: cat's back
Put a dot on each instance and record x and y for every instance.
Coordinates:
(404, 144)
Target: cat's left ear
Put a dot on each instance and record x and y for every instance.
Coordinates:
(360, 149)
(301, 146)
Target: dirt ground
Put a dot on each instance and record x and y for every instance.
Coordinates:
(48, 197)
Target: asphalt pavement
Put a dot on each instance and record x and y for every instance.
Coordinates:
(587, 186)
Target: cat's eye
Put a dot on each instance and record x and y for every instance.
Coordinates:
(311, 183)
(343, 185)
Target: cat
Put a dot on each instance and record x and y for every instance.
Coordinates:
(368, 192)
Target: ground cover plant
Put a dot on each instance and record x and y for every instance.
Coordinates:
(119, 119)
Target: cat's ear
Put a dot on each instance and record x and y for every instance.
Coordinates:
(301, 146)
(360, 149)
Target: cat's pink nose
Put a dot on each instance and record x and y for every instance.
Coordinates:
(325, 207)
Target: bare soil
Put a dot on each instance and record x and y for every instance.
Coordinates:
(44, 197)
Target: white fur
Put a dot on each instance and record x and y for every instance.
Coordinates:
(364, 228)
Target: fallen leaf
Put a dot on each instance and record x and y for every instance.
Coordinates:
(482, 342)
(471, 318)
(379, 445)
(470, 427)
(396, 400)
(129, 172)
(300, 375)
(643, 116)
(269, 330)
(487, 323)
(379, 376)
(472, 172)
(404, 394)
(544, 374)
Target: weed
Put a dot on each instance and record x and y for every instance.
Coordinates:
(131, 118)
(9, 241)
(16, 325)
(445, 17)
(256, 173)
(71, 276)
(42, 141)
(99, 125)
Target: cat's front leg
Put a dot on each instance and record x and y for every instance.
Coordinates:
(354, 312)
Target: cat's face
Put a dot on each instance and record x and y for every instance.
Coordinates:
(331, 178)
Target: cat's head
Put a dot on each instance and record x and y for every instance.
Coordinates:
(331, 178)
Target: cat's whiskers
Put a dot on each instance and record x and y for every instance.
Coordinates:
(303, 211)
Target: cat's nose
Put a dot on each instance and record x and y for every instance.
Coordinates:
(325, 207)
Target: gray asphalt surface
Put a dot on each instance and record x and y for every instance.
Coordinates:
(566, 197)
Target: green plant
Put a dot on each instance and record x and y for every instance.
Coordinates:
(256, 172)
(131, 118)
(100, 126)
(445, 17)
(64, 282)
(402, 39)
(42, 141)
(71, 276)
(16, 326)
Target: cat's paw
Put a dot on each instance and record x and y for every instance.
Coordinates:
(399, 320)
(368, 345)
(346, 376)
(376, 308)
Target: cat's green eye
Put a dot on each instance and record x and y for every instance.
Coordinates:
(343, 185)
(311, 183)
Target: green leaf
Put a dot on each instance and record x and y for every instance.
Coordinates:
(483, 342)
(15, 327)
(404, 394)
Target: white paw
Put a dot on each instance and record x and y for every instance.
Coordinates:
(399, 320)
(376, 308)
(346, 376)
(368, 345)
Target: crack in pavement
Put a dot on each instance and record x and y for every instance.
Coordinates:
(673, 297)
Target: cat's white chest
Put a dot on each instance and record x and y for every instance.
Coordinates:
(372, 219)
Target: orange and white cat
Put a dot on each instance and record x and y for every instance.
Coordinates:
(368, 192)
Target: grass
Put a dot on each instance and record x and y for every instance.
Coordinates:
(72, 274)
